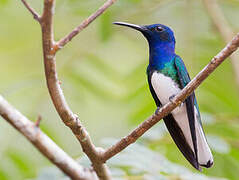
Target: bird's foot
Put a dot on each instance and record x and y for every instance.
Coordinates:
(171, 98)
(157, 111)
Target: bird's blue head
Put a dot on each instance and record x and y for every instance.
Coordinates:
(161, 42)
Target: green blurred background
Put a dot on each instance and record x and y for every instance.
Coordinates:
(103, 74)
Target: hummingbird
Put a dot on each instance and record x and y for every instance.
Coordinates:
(167, 76)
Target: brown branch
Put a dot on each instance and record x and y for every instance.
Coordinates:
(224, 29)
(32, 11)
(180, 97)
(61, 43)
(43, 143)
(57, 96)
(53, 84)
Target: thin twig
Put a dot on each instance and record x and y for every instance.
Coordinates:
(38, 121)
(180, 97)
(32, 11)
(224, 29)
(43, 143)
(61, 43)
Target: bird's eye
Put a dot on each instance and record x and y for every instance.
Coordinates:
(159, 29)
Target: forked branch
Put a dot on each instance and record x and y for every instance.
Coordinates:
(68, 117)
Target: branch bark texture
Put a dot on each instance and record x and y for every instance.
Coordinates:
(178, 99)
(43, 143)
(224, 29)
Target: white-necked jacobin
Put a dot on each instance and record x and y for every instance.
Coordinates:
(167, 75)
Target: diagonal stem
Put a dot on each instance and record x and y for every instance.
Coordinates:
(43, 143)
(32, 11)
(61, 43)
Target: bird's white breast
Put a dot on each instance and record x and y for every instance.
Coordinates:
(164, 87)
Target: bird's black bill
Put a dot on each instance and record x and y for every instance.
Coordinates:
(134, 26)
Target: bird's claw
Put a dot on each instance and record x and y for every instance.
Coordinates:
(157, 110)
(171, 98)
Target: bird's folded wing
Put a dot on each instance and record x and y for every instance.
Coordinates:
(184, 79)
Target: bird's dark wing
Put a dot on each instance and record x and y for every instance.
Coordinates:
(184, 79)
(157, 102)
(179, 139)
(174, 129)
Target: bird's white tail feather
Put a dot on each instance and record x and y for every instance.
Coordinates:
(205, 157)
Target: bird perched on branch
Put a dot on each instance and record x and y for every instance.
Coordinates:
(167, 75)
